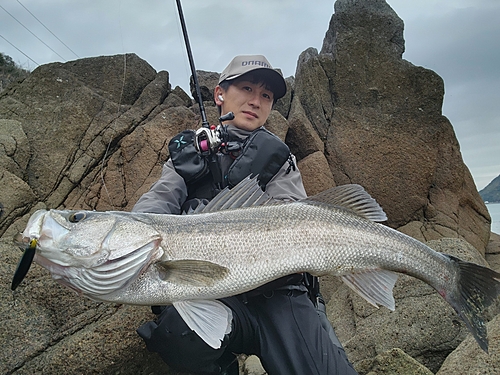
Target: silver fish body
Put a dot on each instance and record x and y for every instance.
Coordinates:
(149, 259)
(260, 244)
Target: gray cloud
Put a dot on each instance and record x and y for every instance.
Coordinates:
(458, 39)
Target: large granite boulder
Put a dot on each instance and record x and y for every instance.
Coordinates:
(379, 118)
(93, 134)
(73, 116)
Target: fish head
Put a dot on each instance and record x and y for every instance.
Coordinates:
(93, 253)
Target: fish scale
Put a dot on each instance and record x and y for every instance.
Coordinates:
(190, 261)
(261, 252)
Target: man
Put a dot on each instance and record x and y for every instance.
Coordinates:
(278, 321)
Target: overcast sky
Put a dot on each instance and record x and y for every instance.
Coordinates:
(458, 39)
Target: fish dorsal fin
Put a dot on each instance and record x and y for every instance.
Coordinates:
(375, 286)
(211, 320)
(354, 198)
(247, 193)
(191, 272)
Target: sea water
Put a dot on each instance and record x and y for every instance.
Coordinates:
(494, 210)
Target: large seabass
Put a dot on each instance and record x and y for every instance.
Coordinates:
(240, 241)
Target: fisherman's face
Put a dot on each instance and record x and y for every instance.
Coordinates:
(250, 102)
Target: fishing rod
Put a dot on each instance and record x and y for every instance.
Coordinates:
(204, 121)
(208, 139)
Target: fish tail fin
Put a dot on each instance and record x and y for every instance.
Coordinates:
(478, 287)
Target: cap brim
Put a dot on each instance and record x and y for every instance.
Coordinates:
(275, 79)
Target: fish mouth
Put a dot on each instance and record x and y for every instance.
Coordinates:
(27, 241)
(29, 245)
(102, 273)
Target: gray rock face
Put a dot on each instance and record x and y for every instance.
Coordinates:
(380, 121)
(423, 325)
(468, 359)
(93, 134)
(72, 117)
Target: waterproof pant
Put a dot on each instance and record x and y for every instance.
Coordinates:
(282, 328)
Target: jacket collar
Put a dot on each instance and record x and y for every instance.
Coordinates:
(237, 134)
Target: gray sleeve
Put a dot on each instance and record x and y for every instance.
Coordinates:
(287, 186)
(166, 196)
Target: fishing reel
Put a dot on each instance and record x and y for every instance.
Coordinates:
(209, 139)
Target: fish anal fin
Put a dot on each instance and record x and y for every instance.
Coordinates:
(352, 197)
(209, 319)
(374, 285)
(191, 272)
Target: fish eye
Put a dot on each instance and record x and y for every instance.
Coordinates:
(75, 217)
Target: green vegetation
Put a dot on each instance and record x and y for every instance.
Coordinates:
(10, 71)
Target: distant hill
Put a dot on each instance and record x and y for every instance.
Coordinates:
(491, 193)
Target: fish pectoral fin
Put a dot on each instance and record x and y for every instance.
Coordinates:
(209, 319)
(374, 285)
(191, 272)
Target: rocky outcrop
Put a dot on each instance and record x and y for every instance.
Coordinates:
(93, 134)
(467, 359)
(423, 324)
(380, 122)
(68, 120)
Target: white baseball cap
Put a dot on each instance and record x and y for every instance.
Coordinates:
(243, 64)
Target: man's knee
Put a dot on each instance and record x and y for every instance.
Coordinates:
(178, 345)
